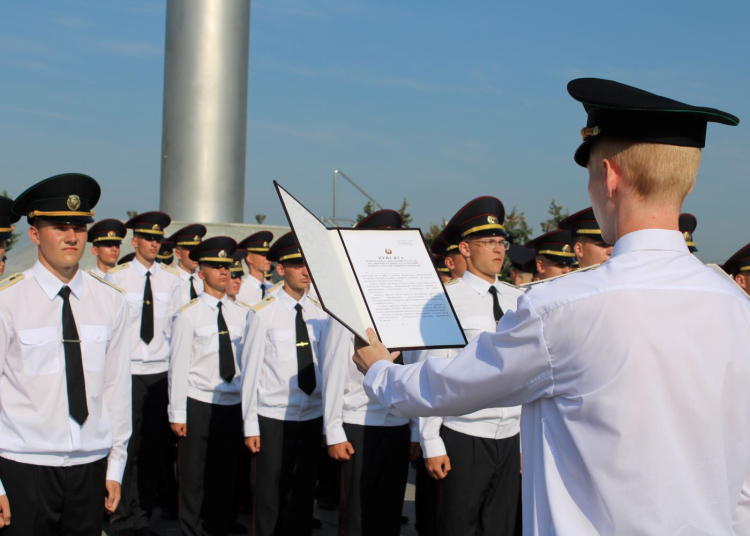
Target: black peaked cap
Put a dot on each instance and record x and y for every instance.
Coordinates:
(739, 262)
(483, 216)
(382, 219)
(522, 258)
(216, 250)
(67, 198)
(285, 249)
(258, 242)
(149, 223)
(189, 236)
(107, 232)
(554, 245)
(688, 224)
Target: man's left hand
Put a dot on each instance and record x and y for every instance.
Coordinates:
(366, 356)
(113, 496)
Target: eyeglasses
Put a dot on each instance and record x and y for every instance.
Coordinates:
(492, 244)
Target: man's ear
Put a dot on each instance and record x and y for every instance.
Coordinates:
(743, 281)
(34, 235)
(94, 251)
(578, 249)
(449, 263)
(132, 241)
(280, 269)
(539, 265)
(463, 247)
(201, 274)
(612, 177)
(178, 253)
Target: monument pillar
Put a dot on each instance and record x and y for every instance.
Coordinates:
(205, 110)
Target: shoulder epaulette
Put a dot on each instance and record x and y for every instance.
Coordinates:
(189, 304)
(534, 283)
(275, 287)
(169, 269)
(511, 285)
(102, 280)
(120, 267)
(452, 282)
(243, 304)
(12, 280)
(261, 304)
(316, 302)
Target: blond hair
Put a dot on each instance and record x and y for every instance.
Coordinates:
(659, 173)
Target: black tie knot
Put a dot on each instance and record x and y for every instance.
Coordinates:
(219, 304)
(148, 274)
(493, 291)
(298, 307)
(64, 293)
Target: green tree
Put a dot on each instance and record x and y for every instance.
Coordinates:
(368, 209)
(404, 214)
(557, 213)
(14, 236)
(432, 233)
(517, 227)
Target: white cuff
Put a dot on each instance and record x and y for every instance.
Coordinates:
(178, 416)
(433, 447)
(335, 435)
(252, 428)
(115, 469)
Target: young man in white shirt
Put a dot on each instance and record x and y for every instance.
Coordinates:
(476, 457)
(586, 238)
(64, 374)
(106, 238)
(254, 285)
(633, 376)
(236, 274)
(372, 445)
(522, 264)
(166, 253)
(554, 256)
(204, 393)
(281, 398)
(184, 241)
(152, 291)
(738, 266)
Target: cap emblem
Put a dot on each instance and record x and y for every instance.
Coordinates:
(74, 202)
(687, 236)
(222, 254)
(566, 248)
(591, 131)
(196, 238)
(265, 244)
(155, 227)
(492, 219)
(111, 234)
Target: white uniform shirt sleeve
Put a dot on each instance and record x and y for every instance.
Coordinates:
(117, 392)
(175, 303)
(429, 427)
(253, 356)
(5, 331)
(337, 351)
(183, 333)
(502, 369)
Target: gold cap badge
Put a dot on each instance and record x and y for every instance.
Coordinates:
(196, 238)
(222, 254)
(566, 248)
(111, 234)
(265, 244)
(492, 219)
(155, 227)
(687, 236)
(74, 202)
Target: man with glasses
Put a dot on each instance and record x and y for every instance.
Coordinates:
(476, 457)
(152, 291)
(586, 238)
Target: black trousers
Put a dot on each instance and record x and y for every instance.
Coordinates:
(425, 501)
(148, 449)
(284, 473)
(208, 461)
(47, 501)
(480, 495)
(374, 480)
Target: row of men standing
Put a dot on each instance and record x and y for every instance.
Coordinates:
(171, 347)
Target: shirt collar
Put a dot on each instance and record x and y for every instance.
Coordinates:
(51, 285)
(650, 239)
(184, 274)
(290, 302)
(477, 283)
(213, 302)
(142, 269)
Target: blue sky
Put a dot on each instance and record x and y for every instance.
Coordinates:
(438, 102)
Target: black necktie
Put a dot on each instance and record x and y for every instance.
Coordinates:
(305, 367)
(76, 383)
(226, 355)
(193, 294)
(262, 291)
(147, 313)
(496, 310)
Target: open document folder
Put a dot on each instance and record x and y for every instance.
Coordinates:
(383, 279)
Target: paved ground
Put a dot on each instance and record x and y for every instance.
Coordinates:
(329, 518)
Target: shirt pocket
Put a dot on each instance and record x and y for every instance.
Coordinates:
(283, 344)
(94, 343)
(474, 325)
(40, 351)
(135, 305)
(161, 304)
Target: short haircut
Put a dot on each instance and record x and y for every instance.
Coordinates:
(657, 172)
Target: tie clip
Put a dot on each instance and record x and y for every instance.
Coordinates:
(147, 302)
(223, 333)
(303, 344)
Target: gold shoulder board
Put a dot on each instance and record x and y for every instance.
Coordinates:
(189, 304)
(92, 274)
(169, 269)
(121, 267)
(452, 282)
(243, 304)
(511, 285)
(260, 305)
(315, 302)
(12, 280)
(534, 283)
(273, 288)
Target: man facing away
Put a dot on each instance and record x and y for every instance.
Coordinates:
(281, 398)
(633, 376)
(64, 374)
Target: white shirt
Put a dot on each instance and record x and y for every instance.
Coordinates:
(344, 398)
(634, 383)
(473, 304)
(269, 362)
(251, 290)
(194, 364)
(104, 275)
(185, 284)
(35, 424)
(165, 287)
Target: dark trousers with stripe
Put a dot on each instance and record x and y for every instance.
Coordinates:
(208, 461)
(284, 473)
(148, 448)
(374, 480)
(46, 501)
(480, 495)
